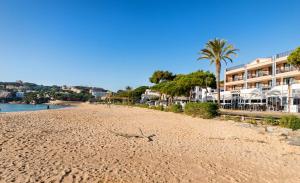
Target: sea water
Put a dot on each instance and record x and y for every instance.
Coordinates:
(26, 107)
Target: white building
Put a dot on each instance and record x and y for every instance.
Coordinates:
(20, 94)
(203, 94)
(74, 89)
(149, 95)
(98, 92)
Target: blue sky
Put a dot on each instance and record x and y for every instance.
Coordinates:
(116, 43)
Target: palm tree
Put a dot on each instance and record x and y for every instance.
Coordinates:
(218, 50)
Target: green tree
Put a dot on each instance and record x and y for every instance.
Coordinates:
(216, 51)
(159, 76)
(186, 83)
(137, 92)
(183, 84)
(294, 58)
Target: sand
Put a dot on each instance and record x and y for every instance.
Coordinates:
(87, 144)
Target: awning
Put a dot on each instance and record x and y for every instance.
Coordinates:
(225, 95)
(278, 91)
(251, 93)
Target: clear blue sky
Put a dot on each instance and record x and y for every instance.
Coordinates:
(116, 43)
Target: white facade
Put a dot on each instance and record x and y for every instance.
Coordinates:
(98, 92)
(149, 95)
(203, 94)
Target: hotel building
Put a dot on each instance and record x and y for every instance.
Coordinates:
(267, 81)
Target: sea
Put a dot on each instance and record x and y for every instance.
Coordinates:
(26, 107)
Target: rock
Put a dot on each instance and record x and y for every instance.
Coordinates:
(247, 125)
(270, 129)
(285, 131)
(295, 141)
(296, 133)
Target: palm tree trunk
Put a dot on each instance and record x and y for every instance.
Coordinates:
(218, 69)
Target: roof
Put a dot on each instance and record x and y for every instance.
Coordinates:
(279, 55)
(98, 90)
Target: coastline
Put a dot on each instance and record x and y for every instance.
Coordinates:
(21, 107)
(89, 143)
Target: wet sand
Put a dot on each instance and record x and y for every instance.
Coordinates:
(95, 143)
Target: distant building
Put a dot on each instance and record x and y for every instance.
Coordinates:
(74, 89)
(98, 92)
(5, 94)
(20, 94)
(14, 86)
(149, 95)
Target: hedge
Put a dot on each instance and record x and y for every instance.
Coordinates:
(204, 110)
(290, 121)
(176, 108)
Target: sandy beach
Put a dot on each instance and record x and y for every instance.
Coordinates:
(96, 143)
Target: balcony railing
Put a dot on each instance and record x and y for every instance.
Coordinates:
(283, 54)
(238, 79)
(290, 82)
(258, 75)
(287, 69)
(235, 67)
(235, 79)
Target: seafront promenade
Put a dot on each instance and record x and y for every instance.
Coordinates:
(260, 114)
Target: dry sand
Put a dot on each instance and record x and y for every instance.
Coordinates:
(77, 145)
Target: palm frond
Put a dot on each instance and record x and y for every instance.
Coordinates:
(218, 50)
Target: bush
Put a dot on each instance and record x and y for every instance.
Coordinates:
(270, 121)
(176, 108)
(290, 121)
(233, 118)
(159, 108)
(204, 110)
(236, 118)
(142, 105)
(251, 121)
(226, 117)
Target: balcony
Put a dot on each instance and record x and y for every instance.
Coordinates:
(287, 83)
(238, 79)
(263, 87)
(266, 88)
(287, 69)
(250, 76)
(235, 81)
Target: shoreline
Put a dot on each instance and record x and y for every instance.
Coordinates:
(60, 106)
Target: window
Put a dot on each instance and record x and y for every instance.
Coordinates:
(259, 73)
(270, 71)
(270, 83)
(286, 67)
(235, 77)
(277, 83)
(296, 101)
(288, 81)
(258, 85)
